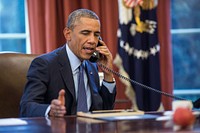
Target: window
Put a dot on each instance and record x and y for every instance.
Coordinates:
(185, 33)
(14, 34)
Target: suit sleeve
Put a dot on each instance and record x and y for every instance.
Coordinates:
(108, 98)
(33, 99)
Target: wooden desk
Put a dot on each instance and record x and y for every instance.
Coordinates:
(73, 124)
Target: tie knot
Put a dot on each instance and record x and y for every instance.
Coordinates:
(81, 67)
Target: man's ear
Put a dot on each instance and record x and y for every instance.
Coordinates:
(66, 33)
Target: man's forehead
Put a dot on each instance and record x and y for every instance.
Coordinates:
(86, 20)
(88, 24)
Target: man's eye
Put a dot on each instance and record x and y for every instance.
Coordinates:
(85, 33)
(96, 35)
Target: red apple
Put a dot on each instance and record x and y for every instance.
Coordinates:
(183, 117)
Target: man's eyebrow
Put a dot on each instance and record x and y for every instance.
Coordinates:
(85, 31)
(98, 32)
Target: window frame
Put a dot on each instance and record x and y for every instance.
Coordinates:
(190, 91)
(25, 35)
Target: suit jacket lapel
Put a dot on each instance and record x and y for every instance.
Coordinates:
(66, 71)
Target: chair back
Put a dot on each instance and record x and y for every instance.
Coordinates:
(13, 70)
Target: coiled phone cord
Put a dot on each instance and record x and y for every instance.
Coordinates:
(139, 84)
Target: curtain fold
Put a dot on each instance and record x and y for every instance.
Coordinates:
(47, 19)
(164, 36)
(46, 22)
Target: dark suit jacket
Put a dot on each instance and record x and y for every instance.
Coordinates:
(48, 74)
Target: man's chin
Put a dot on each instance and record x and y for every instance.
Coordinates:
(86, 57)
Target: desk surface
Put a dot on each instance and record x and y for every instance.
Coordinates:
(73, 124)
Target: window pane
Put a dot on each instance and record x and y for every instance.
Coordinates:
(186, 51)
(16, 45)
(185, 14)
(12, 16)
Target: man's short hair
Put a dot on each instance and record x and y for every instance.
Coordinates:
(77, 14)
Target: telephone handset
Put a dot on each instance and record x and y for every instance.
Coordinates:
(96, 55)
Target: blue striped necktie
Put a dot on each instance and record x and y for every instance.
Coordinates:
(82, 99)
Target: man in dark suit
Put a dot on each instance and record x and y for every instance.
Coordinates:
(52, 86)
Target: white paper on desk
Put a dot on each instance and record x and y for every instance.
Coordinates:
(134, 117)
(12, 122)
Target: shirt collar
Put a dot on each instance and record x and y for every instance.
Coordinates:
(74, 60)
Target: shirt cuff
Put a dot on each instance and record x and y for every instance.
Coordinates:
(47, 111)
(110, 86)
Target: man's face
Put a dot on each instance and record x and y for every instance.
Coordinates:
(83, 38)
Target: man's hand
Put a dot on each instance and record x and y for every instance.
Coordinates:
(61, 97)
(106, 60)
(58, 105)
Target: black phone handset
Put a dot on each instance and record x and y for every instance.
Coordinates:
(96, 55)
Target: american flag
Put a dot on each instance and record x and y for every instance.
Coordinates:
(132, 3)
(138, 52)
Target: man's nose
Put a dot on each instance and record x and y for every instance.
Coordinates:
(92, 39)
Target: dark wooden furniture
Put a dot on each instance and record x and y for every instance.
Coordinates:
(73, 124)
